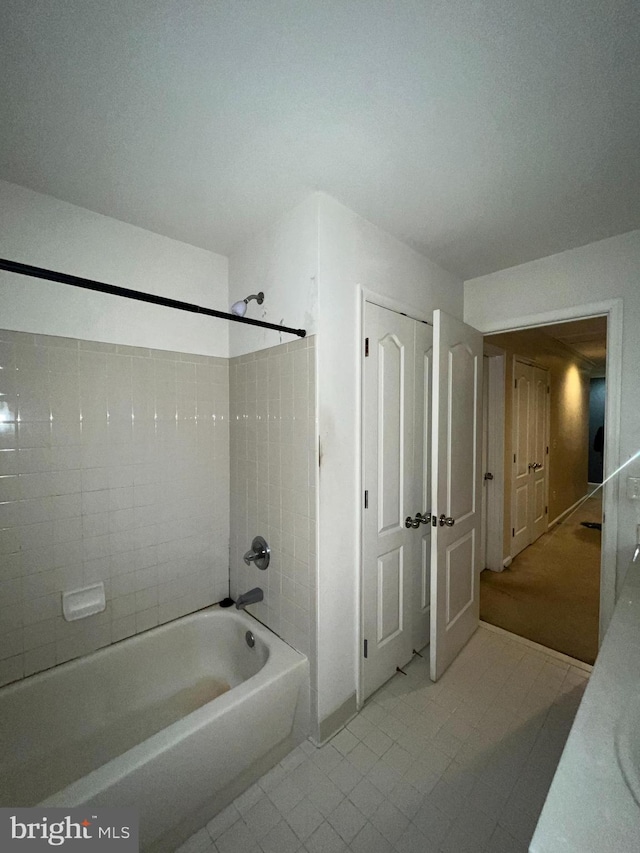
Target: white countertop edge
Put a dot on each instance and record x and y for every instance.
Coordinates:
(589, 808)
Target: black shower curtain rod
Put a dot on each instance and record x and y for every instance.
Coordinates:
(100, 287)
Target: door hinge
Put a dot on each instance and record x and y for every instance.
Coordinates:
(366, 648)
(546, 510)
(604, 516)
(515, 384)
(548, 389)
(547, 449)
(513, 531)
(366, 347)
(514, 458)
(366, 498)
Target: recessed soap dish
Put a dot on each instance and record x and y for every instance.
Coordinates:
(83, 602)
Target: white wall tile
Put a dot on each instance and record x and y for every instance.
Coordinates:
(273, 427)
(88, 495)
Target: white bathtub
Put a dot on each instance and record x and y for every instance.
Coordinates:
(140, 723)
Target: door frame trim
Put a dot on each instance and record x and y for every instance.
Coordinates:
(612, 309)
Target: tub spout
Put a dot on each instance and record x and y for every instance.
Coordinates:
(252, 597)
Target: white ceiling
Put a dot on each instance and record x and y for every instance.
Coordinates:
(484, 133)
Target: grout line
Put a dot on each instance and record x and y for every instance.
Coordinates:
(579, 664)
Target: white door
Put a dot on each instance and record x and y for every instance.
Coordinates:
(521, 510)
(421, 592)
(530, 440)
(456, 488)
(392, 494)
(539, 453)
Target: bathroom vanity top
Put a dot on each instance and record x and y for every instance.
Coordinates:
(591, 805)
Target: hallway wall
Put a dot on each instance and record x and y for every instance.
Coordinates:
(597, 395)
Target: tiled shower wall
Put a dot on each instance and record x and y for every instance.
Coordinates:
(273, 485)
(114, 467)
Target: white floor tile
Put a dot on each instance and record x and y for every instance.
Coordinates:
(281, 839)
(362, 758)
(457, 841)
(346, 776)
(304, 819)
(398, 758)
(293, 760)
(325, 796)
(360, 726)
(445, 798)
(262, 817)
(389, 821)
(406, 798)
(392, 726)
(413, 840)
(369, 840)
(472, 821)
(327, 757)
(432, 822)
(385, 778)
(286, 794)
(273, 778)
(366, 797)
(344, 741)
(377, 741)
(420, 778)
(237, 839)
(325, 840)
(250, 797)
(503, 842)
(347, 820)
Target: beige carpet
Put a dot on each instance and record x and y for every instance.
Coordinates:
(551, 592)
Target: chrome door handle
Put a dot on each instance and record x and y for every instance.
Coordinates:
(446, 519)
(532, 466)
(423, 519)
(411, 522)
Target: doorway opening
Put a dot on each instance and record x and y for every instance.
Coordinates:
(543, 557)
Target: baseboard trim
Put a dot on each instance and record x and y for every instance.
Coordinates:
(579, 664)
(332, 724)
(560, 518)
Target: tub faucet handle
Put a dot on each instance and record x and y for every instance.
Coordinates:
(260, 553)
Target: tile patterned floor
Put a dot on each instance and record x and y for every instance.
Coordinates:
(461, 766)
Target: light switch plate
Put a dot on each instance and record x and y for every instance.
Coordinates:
(633, 488)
